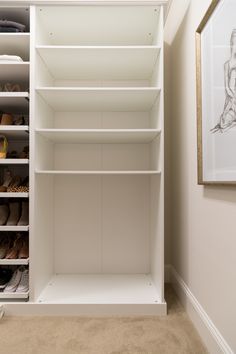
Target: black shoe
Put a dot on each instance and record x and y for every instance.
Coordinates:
(5, 276)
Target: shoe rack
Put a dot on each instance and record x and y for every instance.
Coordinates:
(15, 103)
(96, 159)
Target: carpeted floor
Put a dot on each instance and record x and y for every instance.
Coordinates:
(172, 334)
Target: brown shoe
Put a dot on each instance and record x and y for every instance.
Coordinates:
(24, 251)
(17, 245)
(6, 119)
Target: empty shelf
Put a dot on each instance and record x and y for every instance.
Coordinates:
(14, 295)
(15, 44)
(15, 72)
(13, 195)
(14, 261)
(99, 99)
(100, 289)
(15, 132)
(56, 172)
(14, 102)
(99, 135)
(14, 161)
(14, 228)
(100, 63)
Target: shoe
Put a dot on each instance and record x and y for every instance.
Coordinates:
(11, 88)
(6, 119)
(25, 153)
(24, 219)
(14, 281)
(16, 181)
(4, 247)
(23, 286)
(4, 212)
(24, 250)
(12, 252)
(13, 155)
(14, 214)
(7, 182)
(3, 147)
(5, 276)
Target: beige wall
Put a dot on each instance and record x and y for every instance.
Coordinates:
(203, 229)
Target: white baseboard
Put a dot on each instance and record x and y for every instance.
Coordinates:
(210, 335)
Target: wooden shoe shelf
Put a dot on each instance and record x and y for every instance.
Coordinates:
(96, 159)
(17, 135)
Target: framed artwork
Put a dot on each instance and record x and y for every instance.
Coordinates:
(216, 94)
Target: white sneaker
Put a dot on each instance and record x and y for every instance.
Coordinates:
(23, 286)
(14, 282)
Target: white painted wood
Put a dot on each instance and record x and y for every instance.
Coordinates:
(15, 72)
(157, 185)
(100, 63)
(77, 309)
(99, 135)
(13, 195)
(15, 44)
(15, 132)
(14, 228)
(107, 25)
(100, 289)
(63, 172)
(99, 120)
(16, 296)
(14, 161)
(14, 261)
(126, 224)
(99, 99)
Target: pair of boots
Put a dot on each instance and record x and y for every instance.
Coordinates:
(14, 214)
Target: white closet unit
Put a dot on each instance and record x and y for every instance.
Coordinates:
(96, 159)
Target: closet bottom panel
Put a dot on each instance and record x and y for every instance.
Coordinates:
(100, 289)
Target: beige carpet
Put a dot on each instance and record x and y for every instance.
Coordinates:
(172, 334)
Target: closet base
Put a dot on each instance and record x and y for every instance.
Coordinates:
(95, 295)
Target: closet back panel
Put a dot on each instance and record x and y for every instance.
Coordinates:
(101, 120)
(101, 224)
(97, 25)
(101, 156)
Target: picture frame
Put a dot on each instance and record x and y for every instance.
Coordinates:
(216, 94)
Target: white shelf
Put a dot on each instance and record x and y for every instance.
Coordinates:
(14, 102)
(14, 295)
(15, 44)
(99, 135)
(13, 195)
(15, 132)
(14, 261)
(99, 98)
(14, 161)
(14, 228)
(100, 289)
(15, 72)
(56, 172)
(100, 63)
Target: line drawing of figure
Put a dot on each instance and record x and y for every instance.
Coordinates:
(228, 117)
